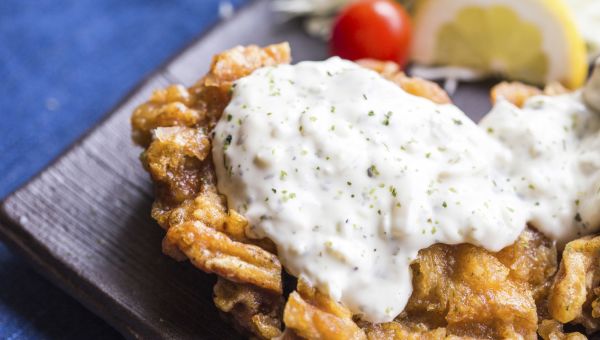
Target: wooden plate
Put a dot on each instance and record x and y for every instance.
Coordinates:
(84, 221)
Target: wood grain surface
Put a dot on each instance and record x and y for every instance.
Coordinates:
(84, 222)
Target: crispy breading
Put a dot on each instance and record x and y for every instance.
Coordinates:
(174, 160)
(574, 293)
(531, 259)
(203, 103)
(470, 292)
(253, 310)
(517, 93)
(413, 85)
(240, 61)
(214, 252)
(313, 315)
(207, 206)
(514, 92)
(553, 330)
(403, 331)
(387, 69)
(172, 125)
(173, 106)
(422, 88)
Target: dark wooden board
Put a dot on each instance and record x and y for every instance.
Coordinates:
(84, 222)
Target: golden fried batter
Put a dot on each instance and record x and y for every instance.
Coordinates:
(404, 331)
(175, 162)
(214, 252)
(460, 292)
(574, 296)
(313, 315)
(416, 86)
(531, 259)
(470, 292)
(251, 310)
(173, 127)
(518, 93)
(553, 330)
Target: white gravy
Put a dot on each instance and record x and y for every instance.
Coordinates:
(351, 176)
(555, 165)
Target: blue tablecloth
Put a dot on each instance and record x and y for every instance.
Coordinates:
(63, 64)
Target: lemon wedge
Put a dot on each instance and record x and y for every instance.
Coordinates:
(536, 41)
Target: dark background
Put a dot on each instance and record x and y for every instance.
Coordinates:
(63, 64)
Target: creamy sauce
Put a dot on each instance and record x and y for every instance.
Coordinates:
(555, 165)
(351, 176)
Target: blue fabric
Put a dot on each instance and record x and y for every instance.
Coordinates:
(63, 64)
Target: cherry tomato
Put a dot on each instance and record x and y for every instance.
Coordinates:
(376, 29)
